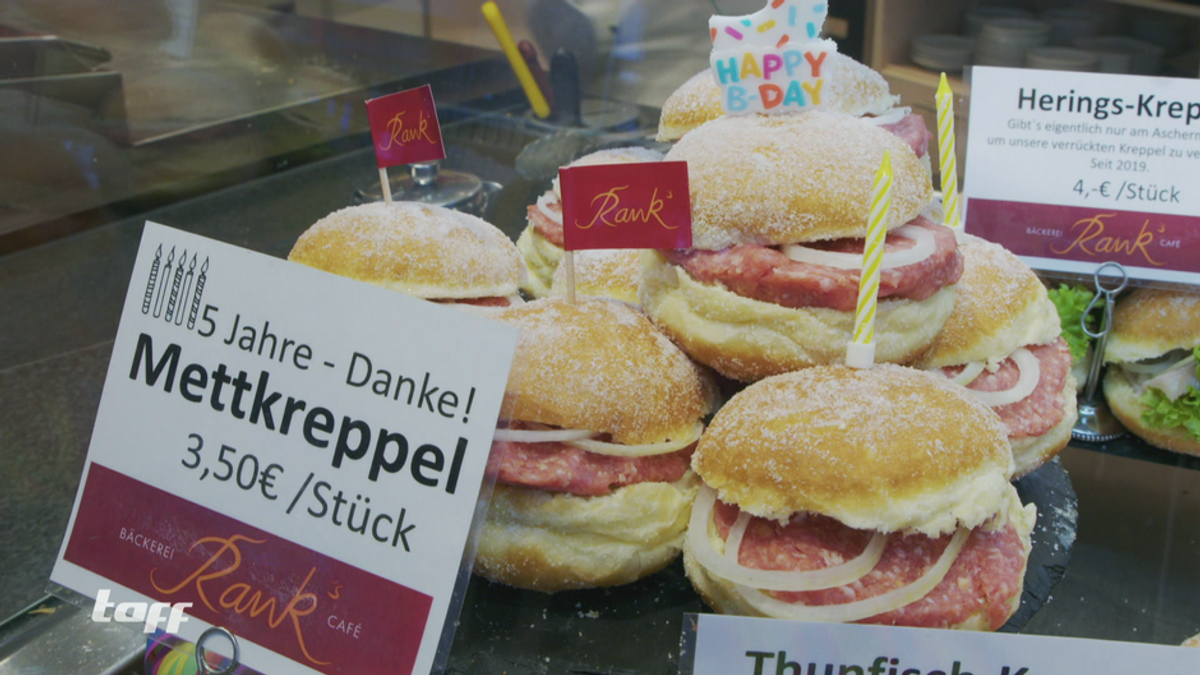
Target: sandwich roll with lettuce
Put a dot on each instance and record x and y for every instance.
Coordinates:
(1153, 381)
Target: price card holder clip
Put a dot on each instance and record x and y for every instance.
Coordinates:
(205, 668)
(1096, 422)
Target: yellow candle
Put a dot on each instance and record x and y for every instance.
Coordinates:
(861, 351)
(946, 159)
(496, 20)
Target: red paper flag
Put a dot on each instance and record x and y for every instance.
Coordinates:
(639, 205)
(404, 128)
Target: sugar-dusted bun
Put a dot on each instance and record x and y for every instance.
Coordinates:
(552, 542)
(1150, 322)
(721, 595)
(541, 257)
(1031, 452)
(1125, 402)
(748, 339)
(850, 87)
(424, 251)
(886, 448)
(601, 365)
(605, 273)
(695, 102)
(1001, 306)
(799, 177)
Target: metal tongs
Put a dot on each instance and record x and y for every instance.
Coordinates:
(1096, 422)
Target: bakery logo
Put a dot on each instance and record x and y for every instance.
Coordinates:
(1091, 240)
(404, 128)
(175, 287)
(635, 205)
(770, 61)
(242, 597)
(1158, 241)
(149, 613)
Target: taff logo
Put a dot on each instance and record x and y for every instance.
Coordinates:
(137, 612)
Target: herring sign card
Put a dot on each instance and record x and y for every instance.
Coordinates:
(287, 454)
(1072, 170)
(731, 645)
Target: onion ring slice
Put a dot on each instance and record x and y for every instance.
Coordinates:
(1031, 372)
(861, 609)
(541, 435)
(723, 566)
(642, 450)
(968, 374)
(542, 204)
(924, 247)
(890, 117)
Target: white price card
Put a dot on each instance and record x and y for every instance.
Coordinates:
(729, 645)
(290, 455)
(1072, 170)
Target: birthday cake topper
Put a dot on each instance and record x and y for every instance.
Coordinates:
(772, 60)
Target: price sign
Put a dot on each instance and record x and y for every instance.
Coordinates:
(728, 645)
(287, 454)
(1071, 170)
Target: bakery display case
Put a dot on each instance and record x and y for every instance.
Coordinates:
(244, 122)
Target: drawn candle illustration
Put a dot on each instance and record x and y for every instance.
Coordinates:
(196, 297)
(175, 283)
(162, 288)
(153, 279)
(187, 288)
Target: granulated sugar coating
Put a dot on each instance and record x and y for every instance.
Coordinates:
(1149, 322)
(600, 365)
(625, 155)
(1000, 306)
(850, 87)
(607, 273)
(886, 448)
(792, 178)
(417, 249)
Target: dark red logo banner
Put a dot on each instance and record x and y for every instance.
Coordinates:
(1161, 242)
(638, 205)
(313, 609)
(404, 128)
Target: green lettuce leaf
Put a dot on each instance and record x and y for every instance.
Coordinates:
(1163, 413)
(1071, 302)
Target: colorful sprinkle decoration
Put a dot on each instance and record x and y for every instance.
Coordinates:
(772, 68)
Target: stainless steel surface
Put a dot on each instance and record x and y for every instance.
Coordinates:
(1096, 423)
(68, 641)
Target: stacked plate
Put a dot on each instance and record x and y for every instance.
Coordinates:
(1119, 54)
(1069, 23)
(948, 53)
(1003, 42)
(1061, 58)
(975, 18)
